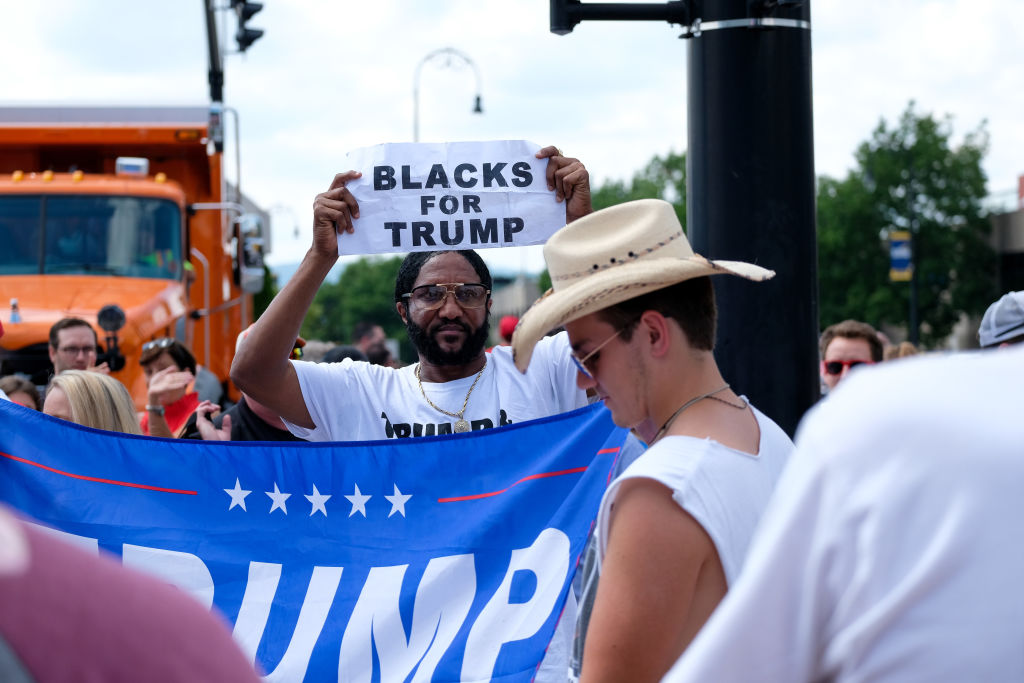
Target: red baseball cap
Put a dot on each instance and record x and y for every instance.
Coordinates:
(507, 326)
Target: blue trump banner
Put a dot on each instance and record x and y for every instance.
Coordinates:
(430, 559)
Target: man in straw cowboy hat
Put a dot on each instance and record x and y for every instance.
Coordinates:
(673, 529)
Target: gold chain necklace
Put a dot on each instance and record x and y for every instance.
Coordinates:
(710, 394)
(460, 425)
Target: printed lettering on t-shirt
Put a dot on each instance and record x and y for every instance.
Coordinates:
(404, 430)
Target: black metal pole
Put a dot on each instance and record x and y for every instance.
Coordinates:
(216, 72)
(751, 195)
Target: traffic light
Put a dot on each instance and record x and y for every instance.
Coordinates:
(246, 36)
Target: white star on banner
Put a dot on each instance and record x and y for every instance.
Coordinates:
(237, 495)
(398, 501)
(358, 501)
(279, 499)
(317, 499)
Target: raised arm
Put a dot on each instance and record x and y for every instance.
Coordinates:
(570, 180)
(261, 367)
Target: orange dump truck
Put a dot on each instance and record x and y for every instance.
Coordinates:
(124, 211)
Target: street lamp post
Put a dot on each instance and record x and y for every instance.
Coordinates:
(446, 56)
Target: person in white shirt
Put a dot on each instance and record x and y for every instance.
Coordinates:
(673, 529)
(892, 550)
(443, 297)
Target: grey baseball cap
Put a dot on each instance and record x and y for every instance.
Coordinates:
(1004, 320)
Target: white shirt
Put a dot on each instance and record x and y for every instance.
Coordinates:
(724, 489)
(893, 549)
(357, 401)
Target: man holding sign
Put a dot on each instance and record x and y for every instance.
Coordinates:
(444, 299)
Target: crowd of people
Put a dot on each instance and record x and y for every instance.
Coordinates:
(724, 551)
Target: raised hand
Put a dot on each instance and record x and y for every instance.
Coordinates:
(570, 180)
(333, 212)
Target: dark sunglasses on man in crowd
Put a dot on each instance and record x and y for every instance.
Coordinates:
(836, 367)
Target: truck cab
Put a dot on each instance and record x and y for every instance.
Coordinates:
(121, 210)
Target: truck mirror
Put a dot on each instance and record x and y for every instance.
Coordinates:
(111, 318)
(249, 253)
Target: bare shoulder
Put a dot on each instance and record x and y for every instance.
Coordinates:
(654, 593)
(645, 513)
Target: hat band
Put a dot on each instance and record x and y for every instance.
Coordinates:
(630, 256)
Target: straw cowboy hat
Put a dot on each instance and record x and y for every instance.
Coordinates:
(610, 256)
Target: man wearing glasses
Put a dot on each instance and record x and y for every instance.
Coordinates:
(73, 346)
(673, 529)
(845, 346)
(444, 299)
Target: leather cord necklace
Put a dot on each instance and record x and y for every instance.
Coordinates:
(460, 425)
(696, 399)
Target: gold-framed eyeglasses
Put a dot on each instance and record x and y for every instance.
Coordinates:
(431, 297)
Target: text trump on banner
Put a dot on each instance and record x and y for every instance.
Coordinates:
(440, 558)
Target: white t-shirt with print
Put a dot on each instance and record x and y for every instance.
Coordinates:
(893, 548)
(357, 401)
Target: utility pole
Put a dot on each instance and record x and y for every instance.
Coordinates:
(216, 72)
(750, 182)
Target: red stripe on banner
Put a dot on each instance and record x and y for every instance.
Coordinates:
(97, 479)
(542, 475)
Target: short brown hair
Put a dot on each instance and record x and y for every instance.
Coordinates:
(12, 384)
(178, 352)
(691, 303)
(66, 323)
(852, 329)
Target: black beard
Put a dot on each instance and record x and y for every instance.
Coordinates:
(432, 351)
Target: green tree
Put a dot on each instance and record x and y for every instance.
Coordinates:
(662, 178)
(365, 291)
(907, 177)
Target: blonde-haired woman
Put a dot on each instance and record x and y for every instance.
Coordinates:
(91, 399)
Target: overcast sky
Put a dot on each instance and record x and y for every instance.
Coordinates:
(329, 76)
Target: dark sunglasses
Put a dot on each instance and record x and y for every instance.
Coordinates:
(836, 367)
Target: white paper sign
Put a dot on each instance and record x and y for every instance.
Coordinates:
(456, 195)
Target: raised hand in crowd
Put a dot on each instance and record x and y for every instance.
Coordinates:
(101, 368)
(207, 429)
(168, 384)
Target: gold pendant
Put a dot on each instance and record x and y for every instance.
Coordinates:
(461, 426)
